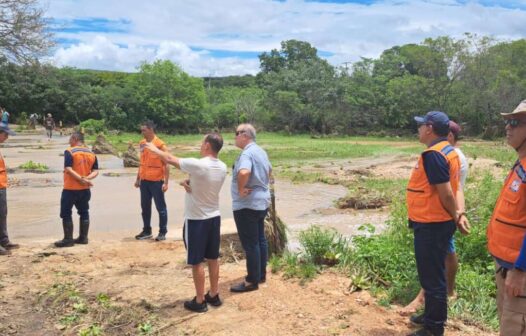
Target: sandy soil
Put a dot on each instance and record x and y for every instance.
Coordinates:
(151, 282)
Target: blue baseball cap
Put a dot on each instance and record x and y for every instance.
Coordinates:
(438, 119)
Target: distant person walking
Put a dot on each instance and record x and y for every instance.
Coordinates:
(5, 117)
(49, 124)
(202, 217)
(507, 232)
(433, 215)
(80, 168)
(451, 258)
(33, 119)
(152, 179)
(5, 243)
(251, 199)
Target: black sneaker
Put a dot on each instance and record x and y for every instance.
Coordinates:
(417, 320)
(426, 332)
(143, 235)
(160, 236)
(196, 307)
(241, 288)
(4, 251)
(214, 301)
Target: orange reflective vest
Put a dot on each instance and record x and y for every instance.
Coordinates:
(507, 226)
(83, 160)
(423, 201)
(3, 173)
(151, 167)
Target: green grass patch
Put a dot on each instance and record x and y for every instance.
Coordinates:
(35, 166)
(385, 263)
(73, 309)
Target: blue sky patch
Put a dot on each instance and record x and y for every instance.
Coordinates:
(97, 25)
(67, 41)
(361, 2)
(218, 53)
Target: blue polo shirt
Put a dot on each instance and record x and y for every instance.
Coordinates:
(254, 159)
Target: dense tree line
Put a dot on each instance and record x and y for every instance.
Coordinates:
(472, 79)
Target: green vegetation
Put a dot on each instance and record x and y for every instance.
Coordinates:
(92, 126)
(384, 263)
(73, 309)
(472, 79)
(34, 166)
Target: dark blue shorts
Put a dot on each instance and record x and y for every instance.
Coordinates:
(451, 247)
(202, 239)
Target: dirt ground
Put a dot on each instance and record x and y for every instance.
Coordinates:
(151, 282)
(134, 288)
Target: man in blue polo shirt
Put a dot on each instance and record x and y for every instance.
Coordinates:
(250, 202)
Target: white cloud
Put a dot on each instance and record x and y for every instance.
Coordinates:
(173, 29)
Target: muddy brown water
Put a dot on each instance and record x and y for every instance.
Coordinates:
(34, 198)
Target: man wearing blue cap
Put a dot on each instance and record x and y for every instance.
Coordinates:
(5, 244)
(433, 215)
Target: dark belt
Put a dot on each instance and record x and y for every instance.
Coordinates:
(503, 272)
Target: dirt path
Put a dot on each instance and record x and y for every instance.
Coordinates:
(146, 283)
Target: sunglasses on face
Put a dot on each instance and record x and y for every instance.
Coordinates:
(513, 122)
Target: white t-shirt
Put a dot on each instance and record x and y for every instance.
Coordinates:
(206, 179)
(463, 167)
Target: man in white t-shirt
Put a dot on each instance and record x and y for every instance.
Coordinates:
(202, 218)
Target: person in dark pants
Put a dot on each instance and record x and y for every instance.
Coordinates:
(251, 199)
(5, 244)
(152, 179)
(433, 215)
(49, 124)
(507, 232)
(80, 168)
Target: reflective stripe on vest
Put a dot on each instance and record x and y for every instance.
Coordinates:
(83, 160)
(151, 167)
(3, 173)
(507, 226)
(423, 201)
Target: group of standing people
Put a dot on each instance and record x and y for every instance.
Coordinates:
(436, 208)
(435, 204)
(202, 220)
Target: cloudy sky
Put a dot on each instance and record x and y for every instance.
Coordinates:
(224, 37)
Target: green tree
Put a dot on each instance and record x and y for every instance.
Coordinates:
(170, 97)
(24, 32)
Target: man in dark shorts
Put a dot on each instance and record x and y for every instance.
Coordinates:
(202, 218)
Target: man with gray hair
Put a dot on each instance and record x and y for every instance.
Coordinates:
(251, 199)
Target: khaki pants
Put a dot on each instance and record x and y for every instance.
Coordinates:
(512, 311)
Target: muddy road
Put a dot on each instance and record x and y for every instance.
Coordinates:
(33, 198)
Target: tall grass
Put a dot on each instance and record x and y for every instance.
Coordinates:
(385, 262)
